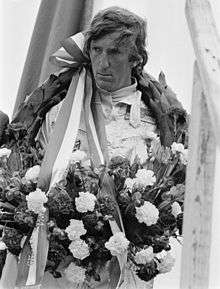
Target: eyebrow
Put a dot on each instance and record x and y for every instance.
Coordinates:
(114, 46)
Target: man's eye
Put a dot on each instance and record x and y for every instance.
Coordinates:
(114, 51)
(96, 49)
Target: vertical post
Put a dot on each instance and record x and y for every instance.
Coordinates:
(206, 43)
(199, 193)
(56, 20)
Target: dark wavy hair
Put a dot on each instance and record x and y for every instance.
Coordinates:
(132, 30)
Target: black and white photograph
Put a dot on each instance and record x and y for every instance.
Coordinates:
(109, 144)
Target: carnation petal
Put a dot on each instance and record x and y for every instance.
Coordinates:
(184, 157)
(75, 274)
(2, 246)
(117, 244)
(147, 213)
(32, 173)
(75, 230)
(176, 209)
(177, 147)
(79, 249)
(85, 202)
(129, 183)
(145, 177)
(36, 200)
(144, 256)
(4, 152)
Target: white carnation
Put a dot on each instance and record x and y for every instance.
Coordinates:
(117, 244)
(4, 152)
(176, 209)
(141, 152)
(79, 249)
(85, 202)
(144, 256)
(177, 147)
(36, 200)
(145, 177)
(2, 246)
(32, 174)
(129, 183)
(75, 230)
(166, 264)
(184, 157)
(75, 274)
(147, 214)
(77, 156)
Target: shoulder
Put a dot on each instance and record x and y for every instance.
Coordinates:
(170, 116)
(34, 110)
(165, 89)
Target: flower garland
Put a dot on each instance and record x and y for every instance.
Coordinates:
(149, 194)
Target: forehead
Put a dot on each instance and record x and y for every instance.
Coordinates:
(110, 40)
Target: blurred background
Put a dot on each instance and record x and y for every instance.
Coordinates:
(169, 46)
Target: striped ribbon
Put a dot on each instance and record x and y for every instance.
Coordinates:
(59, 149)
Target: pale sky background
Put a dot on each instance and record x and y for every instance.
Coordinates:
(169, 47)
(169, 43)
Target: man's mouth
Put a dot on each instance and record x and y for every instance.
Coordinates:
(106, 76)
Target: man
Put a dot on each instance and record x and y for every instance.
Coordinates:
(115, 54)
(112, 68)
(108, 102)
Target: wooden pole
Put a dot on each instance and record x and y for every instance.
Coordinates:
(56, 20)
(199, 193)
(204, 137)
(206, 43)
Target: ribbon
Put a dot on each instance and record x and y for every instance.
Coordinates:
(59, 149)
(9, 272)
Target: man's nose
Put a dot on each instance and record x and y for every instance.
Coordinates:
(104, 61)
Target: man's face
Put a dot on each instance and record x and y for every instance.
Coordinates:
(110, 63)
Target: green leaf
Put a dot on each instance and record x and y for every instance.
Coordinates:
(14, 162)
(107, 188)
